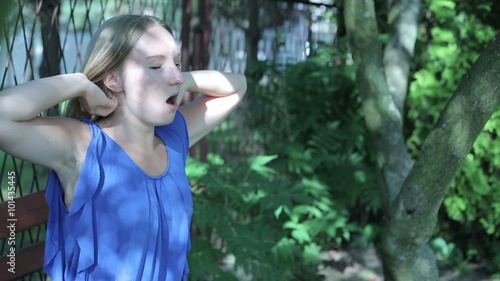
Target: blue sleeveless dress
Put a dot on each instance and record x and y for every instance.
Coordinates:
(123, 224)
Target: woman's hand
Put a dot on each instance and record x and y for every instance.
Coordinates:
(95, 101)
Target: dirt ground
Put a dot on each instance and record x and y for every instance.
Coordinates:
(364, 265)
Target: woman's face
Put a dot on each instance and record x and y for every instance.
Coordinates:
(150, 78)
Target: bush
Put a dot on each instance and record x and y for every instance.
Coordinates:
(312, 118)
(312, 190)
(270, 225)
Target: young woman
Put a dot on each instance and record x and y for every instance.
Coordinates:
(120, 203)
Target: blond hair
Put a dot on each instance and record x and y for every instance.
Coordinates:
(107, 50)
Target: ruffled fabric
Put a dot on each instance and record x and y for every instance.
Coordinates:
(123, 224)
(78, 219)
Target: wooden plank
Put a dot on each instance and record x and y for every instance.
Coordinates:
(27, 261)
(30, 211)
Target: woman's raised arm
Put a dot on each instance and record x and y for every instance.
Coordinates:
(47, 141)
(222, 93)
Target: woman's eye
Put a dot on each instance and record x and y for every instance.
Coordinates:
(156, 67)
(179, 66)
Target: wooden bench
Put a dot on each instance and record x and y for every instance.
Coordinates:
(30, 211)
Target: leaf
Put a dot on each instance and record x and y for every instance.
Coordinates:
(485, 7)
(312, 253)
(301, 235)
(442, 247)
(215, 159)
(278, 211)
(261, 160)
(258, 164)
(490, 227)
(196, 169)
(455, 207)
(285, 250)
(439, 4)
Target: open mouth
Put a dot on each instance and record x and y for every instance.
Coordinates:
(171, 100)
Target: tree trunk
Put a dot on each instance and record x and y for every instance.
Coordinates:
(414, 213)
(413, 198)
(383, 118)
(383, 87)
(252, 33)
(49, 21)
(186, 33)
(205, 13)
(404, 17)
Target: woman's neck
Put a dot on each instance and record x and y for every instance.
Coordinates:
(128, 131)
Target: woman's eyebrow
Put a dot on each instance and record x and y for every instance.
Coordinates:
(155, 57)
(177, 56)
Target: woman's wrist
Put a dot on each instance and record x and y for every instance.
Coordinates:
(83, 85)
(188, 82)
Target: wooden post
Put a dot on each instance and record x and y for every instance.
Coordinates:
(48, 14)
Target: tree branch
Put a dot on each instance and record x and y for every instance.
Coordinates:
(404, 17)
(382, 117)
(384, 122)
(475, 100)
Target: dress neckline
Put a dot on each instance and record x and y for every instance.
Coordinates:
(167, 150)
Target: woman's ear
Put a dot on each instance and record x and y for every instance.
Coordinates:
(113, 82)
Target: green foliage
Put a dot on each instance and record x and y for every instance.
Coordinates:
(317, 126)
(272, 226)
(6, 14)
(313, 188)
(450, 45)
(446, 252)
(276, 212)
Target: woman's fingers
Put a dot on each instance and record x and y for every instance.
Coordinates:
(108, 109)
(97, 103)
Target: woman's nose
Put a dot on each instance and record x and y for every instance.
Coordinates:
(177, 78)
